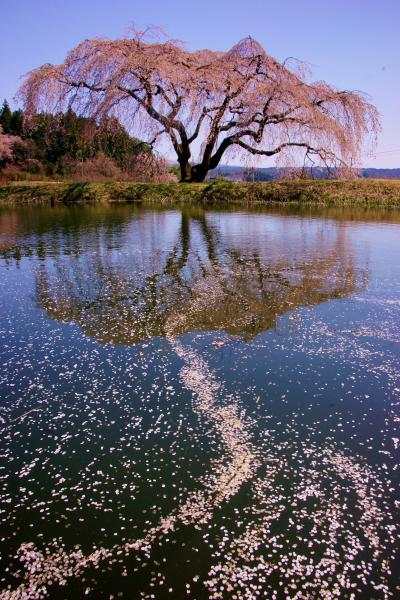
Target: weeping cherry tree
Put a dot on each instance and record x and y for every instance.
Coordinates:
(207, 104)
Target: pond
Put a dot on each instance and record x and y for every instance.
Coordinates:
(199, 404)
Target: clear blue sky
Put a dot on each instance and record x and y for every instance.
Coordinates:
(353, 44)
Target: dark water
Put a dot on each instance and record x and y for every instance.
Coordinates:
(199, 404)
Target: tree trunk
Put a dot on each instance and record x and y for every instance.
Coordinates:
(186, 168)
(191, 174)
(198, 173)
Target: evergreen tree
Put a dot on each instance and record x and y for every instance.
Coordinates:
(5, 117)
(55, 141)
(17, 123)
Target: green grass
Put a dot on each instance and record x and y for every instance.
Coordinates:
(360, 192)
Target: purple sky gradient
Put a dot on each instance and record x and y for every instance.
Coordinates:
(353, 44)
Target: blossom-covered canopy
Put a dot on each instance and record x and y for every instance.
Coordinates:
(242, 101)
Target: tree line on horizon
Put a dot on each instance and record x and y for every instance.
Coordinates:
(72, 146)
(260, 174)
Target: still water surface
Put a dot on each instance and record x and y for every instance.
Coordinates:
(199, 404)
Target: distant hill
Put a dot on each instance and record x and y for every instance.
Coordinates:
(236, 173)
(381, 173)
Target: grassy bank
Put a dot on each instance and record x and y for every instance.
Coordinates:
(361, 192)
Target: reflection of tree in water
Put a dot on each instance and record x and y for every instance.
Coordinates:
(198, 283)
